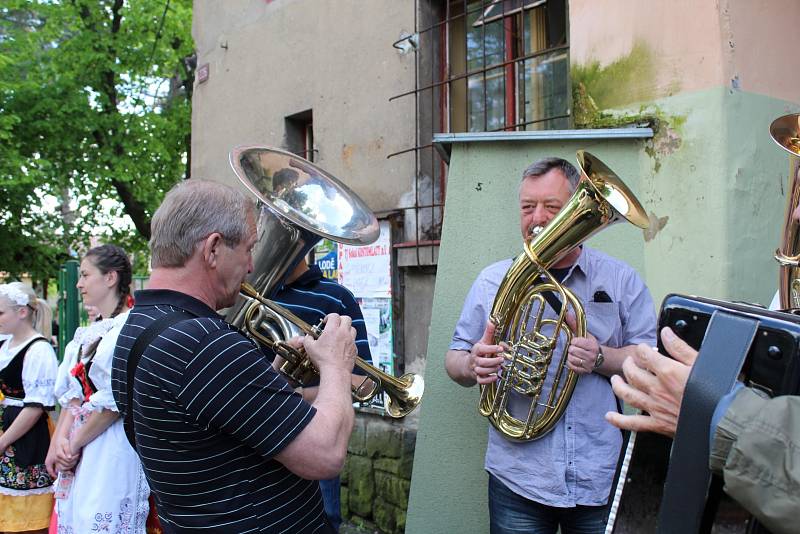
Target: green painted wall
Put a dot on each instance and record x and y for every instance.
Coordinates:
(711, 176)
(721, 181)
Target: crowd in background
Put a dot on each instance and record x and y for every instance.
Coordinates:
(74, 472)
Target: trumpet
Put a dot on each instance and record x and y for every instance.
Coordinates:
(404, 393)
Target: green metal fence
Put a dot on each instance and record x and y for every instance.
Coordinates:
(71, 313)
(68, 309)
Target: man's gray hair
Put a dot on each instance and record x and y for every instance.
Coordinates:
(190, 212)
(545, 165)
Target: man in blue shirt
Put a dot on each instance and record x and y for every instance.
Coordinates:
(563, 478)
(310, 296)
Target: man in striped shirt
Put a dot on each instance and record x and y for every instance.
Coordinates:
(226, 444)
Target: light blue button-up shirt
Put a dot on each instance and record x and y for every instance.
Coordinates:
(575, 463)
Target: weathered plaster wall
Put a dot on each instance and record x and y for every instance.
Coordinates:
(760, 42)
(418, 287)
(269, 60)
(680, 38)
(659, 48)
(723, 188)
(711, 180)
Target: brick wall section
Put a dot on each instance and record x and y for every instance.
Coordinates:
(377, 475)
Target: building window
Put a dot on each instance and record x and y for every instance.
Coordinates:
(480, 65)
(508, 65)
(300, 134)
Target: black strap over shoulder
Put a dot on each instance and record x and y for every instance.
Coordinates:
(31, 342)
(549, 296)
(141, 343)
(725, 346)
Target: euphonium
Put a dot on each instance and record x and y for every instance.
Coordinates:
(534, 382)
(786, 132)
(300, 204)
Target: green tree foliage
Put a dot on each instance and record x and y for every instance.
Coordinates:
(94, 123)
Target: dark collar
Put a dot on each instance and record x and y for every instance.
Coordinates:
(580, 266)
(311, 276)
(582, 263)
(167, 297)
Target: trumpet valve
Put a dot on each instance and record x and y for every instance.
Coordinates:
(297, 367)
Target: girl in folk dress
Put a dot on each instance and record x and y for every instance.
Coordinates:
(101, 485)
(27, 374)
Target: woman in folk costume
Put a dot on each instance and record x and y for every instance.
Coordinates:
(28, 368)
(101, 485)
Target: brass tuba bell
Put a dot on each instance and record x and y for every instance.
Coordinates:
(535, 385)
(300, 204)
(786, 132)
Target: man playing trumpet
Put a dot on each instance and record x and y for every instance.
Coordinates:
(226, 444)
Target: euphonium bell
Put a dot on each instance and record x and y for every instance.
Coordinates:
(299, 204)
(786, 132)
(529, 385)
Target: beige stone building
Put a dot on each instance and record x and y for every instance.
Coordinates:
(676, 96)
(317, 77)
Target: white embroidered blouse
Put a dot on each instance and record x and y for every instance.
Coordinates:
(68, 387)
(39, 371)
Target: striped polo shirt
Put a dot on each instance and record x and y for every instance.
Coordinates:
(210, 414)
(312, 296)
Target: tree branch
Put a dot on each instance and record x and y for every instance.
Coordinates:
(133, 207)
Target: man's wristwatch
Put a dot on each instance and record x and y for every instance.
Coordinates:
(600, 358)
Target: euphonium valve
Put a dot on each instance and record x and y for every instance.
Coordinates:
(534, 384)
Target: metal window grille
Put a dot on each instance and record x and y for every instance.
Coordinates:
(480, 65)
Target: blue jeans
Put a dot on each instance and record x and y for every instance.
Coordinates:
(510, 513)
(332, 501)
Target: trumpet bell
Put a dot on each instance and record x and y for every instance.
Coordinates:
(785, 131)
(406, 396)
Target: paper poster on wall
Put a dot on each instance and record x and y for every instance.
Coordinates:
(326, 258)
(378, 319)
(366, 271)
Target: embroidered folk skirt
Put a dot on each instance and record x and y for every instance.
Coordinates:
(109, 492)
(26, 498)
